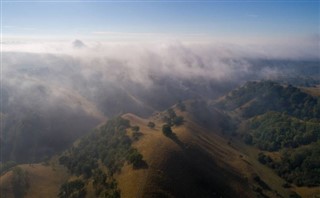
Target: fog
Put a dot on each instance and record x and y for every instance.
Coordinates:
(71, 86)
(80, 69)
(89, 73)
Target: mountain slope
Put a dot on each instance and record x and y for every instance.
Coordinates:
(281, 122)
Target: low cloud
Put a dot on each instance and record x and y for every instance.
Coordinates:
(89, 68)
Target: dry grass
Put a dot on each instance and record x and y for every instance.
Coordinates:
(181, 160)
(314, 91)
(44, 180)
(308, 192)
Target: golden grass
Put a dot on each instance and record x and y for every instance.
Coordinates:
(308, 192)
(44, 180)
(314, 91)
(168, 160)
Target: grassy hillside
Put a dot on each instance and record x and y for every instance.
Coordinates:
(196, 162)
(36, 180)
(192, 162)
(282, 123)
(195, 148)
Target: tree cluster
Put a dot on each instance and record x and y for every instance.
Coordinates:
(273, 131)
(108, 144)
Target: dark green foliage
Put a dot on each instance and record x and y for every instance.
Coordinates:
(20, 182)
(135, 158)
(104, 186)
(280, 118)
(172, 118)
(112, 146)
(166, 130)
(301, 166)
(269, 96)
(151, 125)
(273, 131)
(72, 189)
(264, 159)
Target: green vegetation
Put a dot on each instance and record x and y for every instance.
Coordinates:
(166, 130)
(151, 125)
(280, 119)
(270, 96)
(20, 182)
(172, 119)
(72, 189)
(110, 145)
(135, 158)
(273, 131)
(299, 166)
(104, 186)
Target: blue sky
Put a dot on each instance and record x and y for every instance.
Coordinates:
(202, 19)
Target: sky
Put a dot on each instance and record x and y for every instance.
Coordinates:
(146, 19)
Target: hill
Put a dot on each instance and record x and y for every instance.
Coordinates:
(193, 161)
(282, 123)
(196, 148)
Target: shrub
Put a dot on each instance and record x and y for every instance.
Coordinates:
(151, 125)
(166, 130)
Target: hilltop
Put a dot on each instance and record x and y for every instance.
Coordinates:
(215, 148)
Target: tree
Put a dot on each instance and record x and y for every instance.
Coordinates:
(135, 158)
(151, 125)
(73, 188)
(166, 130)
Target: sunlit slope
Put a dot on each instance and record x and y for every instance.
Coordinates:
(194, 163)
(43, 180)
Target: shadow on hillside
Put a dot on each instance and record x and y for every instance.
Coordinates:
(175, 138)
(141, 165)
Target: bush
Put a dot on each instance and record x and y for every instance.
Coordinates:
(72, 189)
(135, 158)
(151, 125)
(166, 130)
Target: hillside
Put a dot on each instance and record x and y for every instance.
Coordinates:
(194, 161)
(196, 148)
(281, 122)
(33, 180)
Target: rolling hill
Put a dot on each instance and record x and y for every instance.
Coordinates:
(217, 148)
